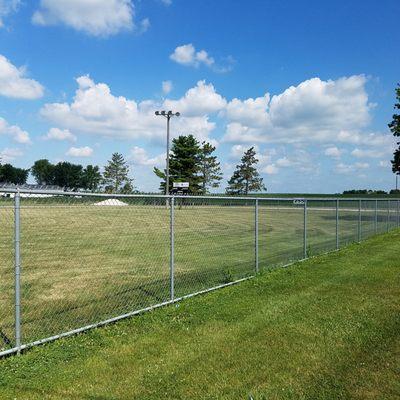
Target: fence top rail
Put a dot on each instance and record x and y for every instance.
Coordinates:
(162, 196)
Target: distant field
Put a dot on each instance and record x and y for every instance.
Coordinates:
(83, 263)
(324, 329)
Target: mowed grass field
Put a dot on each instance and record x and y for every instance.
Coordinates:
(327, 328)
(83, 263)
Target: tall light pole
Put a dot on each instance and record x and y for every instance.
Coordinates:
(168, 115)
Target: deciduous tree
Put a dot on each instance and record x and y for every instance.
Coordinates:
(394, 126)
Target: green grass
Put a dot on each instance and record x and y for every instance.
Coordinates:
(326, 328)
(82, 264)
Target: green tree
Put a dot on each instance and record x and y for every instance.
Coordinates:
(116, 175)
(10, 174)
(91, 178)
(184, 164)
(68, 175)
(43, 172)
(394, 126)
(209, 168)
(246, 178)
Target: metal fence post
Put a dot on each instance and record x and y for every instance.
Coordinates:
(256, 235)
(388, 216)
(17, 272)
(376, 217)
(398, 213)
(172, 249)
(359, 220)
(305, 229)
(337, 224)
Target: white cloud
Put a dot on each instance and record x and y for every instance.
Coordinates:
(188, 56)
(80, 152)
(347, 169)
(313, 111)
(167, 87)
(13, 82)
(95, 110)
(14, 131)
(166, 2)
(8, 7)
(197, 101)
(333, 152)
(94, 17)
(284, 162)
(139, 156)
(270, 169)
(9, 154)
(59, 134)
(385, 164)
(367, 153)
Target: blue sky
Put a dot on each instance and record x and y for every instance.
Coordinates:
(310, 84)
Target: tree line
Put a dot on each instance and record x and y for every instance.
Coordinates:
(189, 161)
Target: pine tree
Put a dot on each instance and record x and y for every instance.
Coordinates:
(246, 178)
(115, 177)
(183, 164)
(210, 168)
(394, 126)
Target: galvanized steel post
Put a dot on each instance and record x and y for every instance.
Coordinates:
(305, 229)
(337, 224)
(398, 213)
(359, 220)
(376, 217)
(17, 272)
(256, 235)
(388, 216)
(172, 249)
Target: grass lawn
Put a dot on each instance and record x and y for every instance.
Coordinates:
(326, 328)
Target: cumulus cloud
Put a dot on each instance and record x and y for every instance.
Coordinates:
(313, 111)
(95, 110)
(167, 87)
(270, 169)
(367, 153)
(188, 56)
(8, 7)
(14, 131)
(80, 152)
(197, 101)
(139, 156)
(333, 152)
(10, 154)
(94, 17)
(13, 82)
(348, 169)
(59, 134)
(385, 164)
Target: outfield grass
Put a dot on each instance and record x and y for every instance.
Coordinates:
(326, 328)
(82, 264)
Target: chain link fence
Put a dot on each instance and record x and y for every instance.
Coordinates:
(73, 261)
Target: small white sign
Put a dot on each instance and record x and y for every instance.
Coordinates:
(180, 185)
(298, 202)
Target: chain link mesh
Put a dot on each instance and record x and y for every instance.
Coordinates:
(7, 332)
(89, 258)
